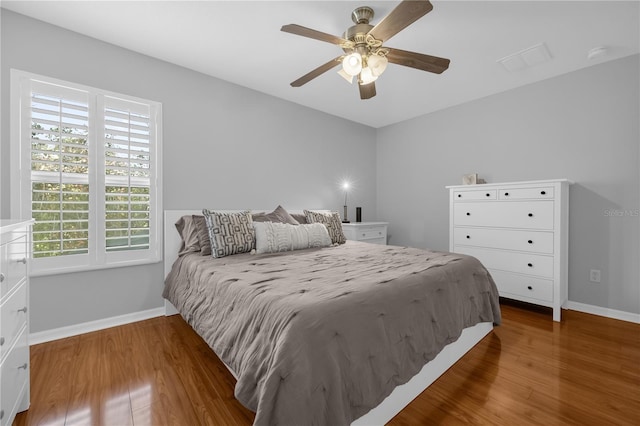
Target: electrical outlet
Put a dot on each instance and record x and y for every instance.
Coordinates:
(594, 275)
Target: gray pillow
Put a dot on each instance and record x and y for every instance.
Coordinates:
(299, 217)
(187, 229)
(329, 219)
(203, 235)
(279, 215)
(230, 233)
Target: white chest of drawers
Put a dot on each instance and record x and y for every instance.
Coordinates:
(519, 231)
(15, 237)
(368, 232)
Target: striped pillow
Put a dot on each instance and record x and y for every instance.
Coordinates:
(329, 219)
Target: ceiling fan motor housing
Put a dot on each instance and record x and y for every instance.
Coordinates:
(362, 15)
(357, 34)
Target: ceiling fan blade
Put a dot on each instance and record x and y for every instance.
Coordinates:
(367, 91)
(316, 72)
(405, 14)
(419, 61)
(308, 32)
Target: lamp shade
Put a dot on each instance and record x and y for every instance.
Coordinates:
(367, 76)
(377, 64)
(352, 63)
(346, 76)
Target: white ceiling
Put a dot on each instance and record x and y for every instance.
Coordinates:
(241, 42)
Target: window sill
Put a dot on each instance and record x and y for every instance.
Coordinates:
(34, 272)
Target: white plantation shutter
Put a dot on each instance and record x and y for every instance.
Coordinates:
(127, 160)
(89, 172)
(59, 167)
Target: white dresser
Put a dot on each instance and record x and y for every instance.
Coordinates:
(368, 232)
(15, 239)
(519, 231)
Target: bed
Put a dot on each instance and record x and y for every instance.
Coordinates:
(346, 334)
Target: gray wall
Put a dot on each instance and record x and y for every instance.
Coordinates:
(583, 126)
(224, 147)
(229, 147)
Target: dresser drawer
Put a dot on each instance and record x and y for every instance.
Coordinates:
(474, 194)
(507, 239)
(523, 263)
(13, 318)
(520, 287)
(519, 214)
(13, 263)
(14, 378)
(539, 193)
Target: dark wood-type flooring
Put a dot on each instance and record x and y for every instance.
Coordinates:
(530, 370)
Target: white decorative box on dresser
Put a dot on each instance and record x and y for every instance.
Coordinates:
(368, 232)
(519, 231)
(15, 238)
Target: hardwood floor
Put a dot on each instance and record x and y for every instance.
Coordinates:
(530, 370)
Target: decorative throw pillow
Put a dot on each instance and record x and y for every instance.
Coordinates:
(273, 237)
(329, 219)
(187, 230)
(230, 233)
(299, 217)
(278, 215)
(203, 234)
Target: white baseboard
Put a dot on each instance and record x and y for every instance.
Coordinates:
(87, 327)
(603, 312)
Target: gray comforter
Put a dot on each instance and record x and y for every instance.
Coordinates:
(321, 336)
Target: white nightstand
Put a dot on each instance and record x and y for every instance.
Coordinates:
(368, 232)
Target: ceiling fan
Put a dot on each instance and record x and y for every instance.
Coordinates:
(365, 56)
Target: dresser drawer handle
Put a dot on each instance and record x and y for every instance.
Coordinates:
(23, 260)
(530, 265)
(1, 341)
(23, 366)
(1, 414)
(529, 287)
(468, 214)
(1, 277)
(459, 195)
(23, 310)
(543, 192)
(530, 241)
(488, 195)
(468, 237)
(530, 214)
(506, 194)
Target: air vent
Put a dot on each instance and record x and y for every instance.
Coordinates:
(526, 58)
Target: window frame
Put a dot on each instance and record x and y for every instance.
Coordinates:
(97, 257)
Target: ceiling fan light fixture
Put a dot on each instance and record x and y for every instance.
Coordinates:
(342, 73)
(377, 64)
(367, 76)
(352, 64)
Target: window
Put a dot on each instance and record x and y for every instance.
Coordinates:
(88, 166)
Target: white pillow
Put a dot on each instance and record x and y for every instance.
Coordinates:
(273, 237)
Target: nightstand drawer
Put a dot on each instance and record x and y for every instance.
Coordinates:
(522, 286)
(13, 317)
(506, 239)
(14, 375)
(367, 232)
